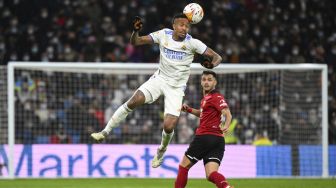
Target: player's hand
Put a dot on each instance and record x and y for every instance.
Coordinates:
(224, 128)
(137, 24)
(186, 108)
(207, 63)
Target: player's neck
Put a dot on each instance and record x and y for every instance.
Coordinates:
(177, 38)
(207, 92)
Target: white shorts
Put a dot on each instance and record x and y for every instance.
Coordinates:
(173, 96)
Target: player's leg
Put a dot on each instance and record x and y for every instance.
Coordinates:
(169, 124)
(173, 97)
(212, 174)
(182, 174)
(120, 114)
(147, 93)
(196, 150)
(212, 162)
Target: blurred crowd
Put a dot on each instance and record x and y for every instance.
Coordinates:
(63, 107)
(241, 31)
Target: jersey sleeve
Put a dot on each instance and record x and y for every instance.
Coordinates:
(219, 102)
(157, 36)
(198, 46)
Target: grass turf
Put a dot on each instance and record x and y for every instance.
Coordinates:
(163, 183)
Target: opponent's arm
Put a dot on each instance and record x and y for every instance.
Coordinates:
(226, 120)
(135, 38)
(211, 59)
(186, 108)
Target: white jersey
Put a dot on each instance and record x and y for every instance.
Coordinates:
(176, 56)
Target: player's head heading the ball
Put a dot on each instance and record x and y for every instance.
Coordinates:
(181, 26)
(177, 16)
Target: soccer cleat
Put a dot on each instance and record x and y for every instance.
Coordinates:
(99, 137)
(158, 158)
(229, 186)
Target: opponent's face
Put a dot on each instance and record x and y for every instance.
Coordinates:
(181, 27)
(208, 82)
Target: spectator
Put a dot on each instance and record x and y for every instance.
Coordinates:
(262, 140)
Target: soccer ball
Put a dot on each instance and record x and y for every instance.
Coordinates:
(194, 12)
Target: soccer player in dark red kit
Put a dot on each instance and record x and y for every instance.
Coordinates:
(208, 143)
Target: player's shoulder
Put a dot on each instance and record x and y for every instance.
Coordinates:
(192, 41)
(213, 95)
(164, 31)
(189, 38)
(216, 95)
(167, 31)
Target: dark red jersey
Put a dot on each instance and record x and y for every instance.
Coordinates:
(211, 108)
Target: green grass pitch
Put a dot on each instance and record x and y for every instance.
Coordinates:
(163, 183)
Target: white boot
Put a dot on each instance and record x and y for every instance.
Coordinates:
(99, 137)
(158, 158)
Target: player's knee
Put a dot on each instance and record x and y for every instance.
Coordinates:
(136, 100)
(186, 163)
(131, 104)
(168, 128)
(169, 123)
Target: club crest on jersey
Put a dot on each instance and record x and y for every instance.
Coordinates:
(183, 47)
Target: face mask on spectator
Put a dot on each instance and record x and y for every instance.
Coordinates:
(256, 32)
(281, 42)
(44, 14)
(110, 4)
(275, 49)
(333, 51)
(30, 30)
(14, 22)
(26, 57)
(239, 33)
(50, 50)
(295, 51)
(13, 57)
(6, 13)
(34, 49)
(292, 6)
(67, 50)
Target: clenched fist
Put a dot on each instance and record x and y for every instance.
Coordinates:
(137, 24)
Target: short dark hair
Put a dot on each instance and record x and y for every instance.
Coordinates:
(207, 72)
(181, 15)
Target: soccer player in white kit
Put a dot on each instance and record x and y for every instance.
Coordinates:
(177, 49)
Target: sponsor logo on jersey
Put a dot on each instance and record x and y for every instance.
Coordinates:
(174, 55)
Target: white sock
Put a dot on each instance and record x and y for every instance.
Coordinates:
(166, 138)
(119, 115)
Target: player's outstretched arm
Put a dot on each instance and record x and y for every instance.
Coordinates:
(135, 38)
(227, 117)
(212, 59)
(186, 108)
